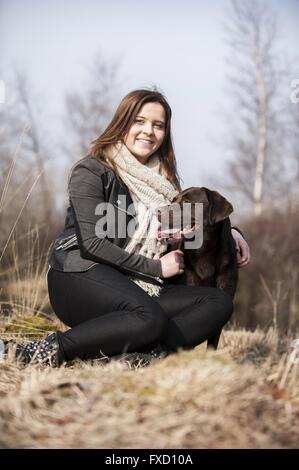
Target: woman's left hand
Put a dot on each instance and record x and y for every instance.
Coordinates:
(243, 251)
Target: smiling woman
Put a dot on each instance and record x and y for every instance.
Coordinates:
(147, 132)
(115, 293)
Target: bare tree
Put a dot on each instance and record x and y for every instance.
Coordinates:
(257, 167)
(88, 111)
(34, 142)
(293, 137)
(23, 116)
(25, 196)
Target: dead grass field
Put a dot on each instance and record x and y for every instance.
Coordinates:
(245, 395)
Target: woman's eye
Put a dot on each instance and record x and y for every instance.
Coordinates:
(140, 121)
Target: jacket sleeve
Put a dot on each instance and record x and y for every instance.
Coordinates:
(85, 193)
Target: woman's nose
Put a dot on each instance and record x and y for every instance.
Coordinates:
(148, 129)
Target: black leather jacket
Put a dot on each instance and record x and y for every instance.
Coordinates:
(78, 248)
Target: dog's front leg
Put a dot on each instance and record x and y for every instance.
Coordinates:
(214, 340)
(227, 270)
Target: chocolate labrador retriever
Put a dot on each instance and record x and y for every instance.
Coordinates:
(214, 262)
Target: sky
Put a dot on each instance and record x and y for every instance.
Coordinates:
(176, 45)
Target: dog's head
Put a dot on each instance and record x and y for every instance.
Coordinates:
(215, 209)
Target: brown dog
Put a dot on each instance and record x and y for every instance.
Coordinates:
(214, 263)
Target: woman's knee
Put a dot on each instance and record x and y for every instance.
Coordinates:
(155, 322)
(225, 302)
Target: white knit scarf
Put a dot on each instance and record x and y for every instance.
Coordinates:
(149, 190)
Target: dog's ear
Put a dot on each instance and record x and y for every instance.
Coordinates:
(219, 207)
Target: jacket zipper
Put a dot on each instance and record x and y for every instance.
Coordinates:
(66, 242)
(157, 279)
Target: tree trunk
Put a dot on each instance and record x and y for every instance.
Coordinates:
(262, 137)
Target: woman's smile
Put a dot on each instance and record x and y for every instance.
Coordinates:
(145, 142)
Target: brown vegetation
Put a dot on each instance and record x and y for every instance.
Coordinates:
(243, 396)
(268, 292)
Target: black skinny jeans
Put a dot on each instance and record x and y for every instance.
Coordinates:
(108, 313)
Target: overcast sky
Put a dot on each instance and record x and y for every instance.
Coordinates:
(177, 45)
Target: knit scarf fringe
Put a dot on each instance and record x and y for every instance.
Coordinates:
(149, 189)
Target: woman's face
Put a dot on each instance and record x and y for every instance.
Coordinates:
(147, 132)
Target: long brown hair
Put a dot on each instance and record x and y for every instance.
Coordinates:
(120, 124)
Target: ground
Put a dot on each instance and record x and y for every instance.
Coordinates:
(245, 395)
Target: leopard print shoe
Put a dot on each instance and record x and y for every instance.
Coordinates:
(45, 351)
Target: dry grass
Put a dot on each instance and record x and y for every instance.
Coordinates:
(28, 296)
(245, 395)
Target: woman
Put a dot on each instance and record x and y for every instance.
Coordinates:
(109, 278)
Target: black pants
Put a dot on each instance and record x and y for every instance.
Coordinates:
(108, 313)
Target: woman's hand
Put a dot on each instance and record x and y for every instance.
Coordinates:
(172, 263)
(243, 251)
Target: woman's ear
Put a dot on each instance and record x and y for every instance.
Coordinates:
(219, 207)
